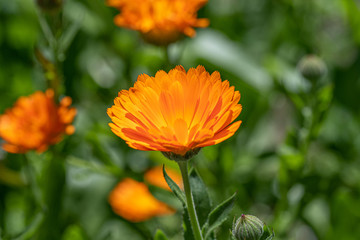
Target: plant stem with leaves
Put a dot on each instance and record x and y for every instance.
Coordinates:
(189, 200)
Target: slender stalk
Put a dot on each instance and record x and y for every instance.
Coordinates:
(167, 64)
(167, 56)
(31, 179)
(189, 200)
(53, 187)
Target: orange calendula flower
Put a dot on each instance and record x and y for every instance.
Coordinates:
(155, 177)
(133, 201)
(35, 122)
(160, 21)
(176, 113)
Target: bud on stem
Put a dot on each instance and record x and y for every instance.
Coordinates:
(312, 67)
(249, 227)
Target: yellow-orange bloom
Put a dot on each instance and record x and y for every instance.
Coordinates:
(35, 122)
(160, 21)
(177, 112)
(155, 177)
(133, 201)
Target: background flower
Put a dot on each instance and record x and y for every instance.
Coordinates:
(256, 45)
(133, 201)
(160, 21)
(155, 177)
(177, 111)
(35, 122)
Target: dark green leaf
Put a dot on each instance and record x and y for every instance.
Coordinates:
(218, 215)
(201, 197)
(268, 233)
(174, 187)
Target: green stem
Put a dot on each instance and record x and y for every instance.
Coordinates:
(189, 200)
(32, 181)
(167, 57)
(53, 186)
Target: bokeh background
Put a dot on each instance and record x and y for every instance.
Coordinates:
(304, 191)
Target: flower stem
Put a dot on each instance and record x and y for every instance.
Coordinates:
(189, 200)
(167, 63)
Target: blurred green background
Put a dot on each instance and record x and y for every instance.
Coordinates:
(305, 189)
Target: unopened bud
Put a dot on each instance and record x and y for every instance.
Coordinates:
(49, 5)
(249, 227)
(312, 67)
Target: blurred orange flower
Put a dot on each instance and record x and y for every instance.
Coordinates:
(155, 177)
(35, 122)
(133, 201)
(177, 112)
(160, 21)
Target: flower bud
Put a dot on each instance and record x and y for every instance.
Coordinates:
(248, 227)
(312, 67)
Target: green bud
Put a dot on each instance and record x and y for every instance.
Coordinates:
(248, 227)
(312, 67)
(187, 156)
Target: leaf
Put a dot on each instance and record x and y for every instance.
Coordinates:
(73, 232)
(32, 228)
(188, 233)
(352, 13)
(218, 215)
(159, 235)
(268, 233)
(174, 187)
(201, 197)
(68, 36)
(325, 96)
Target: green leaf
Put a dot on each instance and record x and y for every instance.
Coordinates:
(200, 196)
(325, 96)
(174, 187)
(73, 232)
(188, 233)
(268, 233)
(159, 235)
(32, 228)
(68, 36)
(218, 215)
(352, 12)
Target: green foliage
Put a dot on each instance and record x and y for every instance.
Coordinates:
(159, 235)
(174, 187)
(294, 161)
(30, 231)
(188, 233)
(201, 197)
(218, 215)
(73, 232)
(268, 233)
